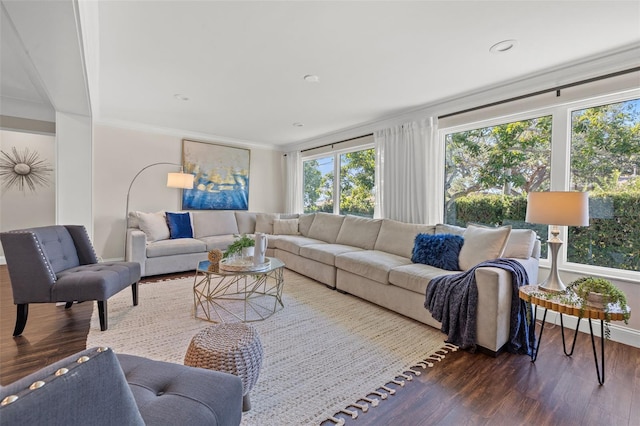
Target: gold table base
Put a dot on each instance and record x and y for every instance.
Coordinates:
(225, 296)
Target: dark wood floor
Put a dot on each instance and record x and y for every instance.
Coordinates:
(463, 389)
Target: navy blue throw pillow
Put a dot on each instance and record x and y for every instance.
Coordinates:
(179, 225)
(439, 250)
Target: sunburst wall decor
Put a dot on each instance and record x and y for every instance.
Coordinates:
(23, 169)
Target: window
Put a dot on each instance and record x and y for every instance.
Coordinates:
(605, 158)
(490, 170)
(357, 179)
(318, 185)
(355, 194)
(593, 145)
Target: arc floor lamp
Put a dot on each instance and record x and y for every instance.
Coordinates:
(557, 208)
(174, 180)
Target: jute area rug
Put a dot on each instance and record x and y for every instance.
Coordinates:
(324, 353)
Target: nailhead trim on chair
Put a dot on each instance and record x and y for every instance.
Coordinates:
(10, 399)
(92, 248)
(44, 258)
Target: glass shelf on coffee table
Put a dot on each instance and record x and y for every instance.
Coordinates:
(230, 296)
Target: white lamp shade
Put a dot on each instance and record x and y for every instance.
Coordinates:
(563, 208)
(180, 180)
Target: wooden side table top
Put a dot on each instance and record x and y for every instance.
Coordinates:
(560, 303)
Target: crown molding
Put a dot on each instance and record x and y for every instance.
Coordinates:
(186, 134)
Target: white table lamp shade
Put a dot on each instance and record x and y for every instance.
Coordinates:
(562, 208)
(557, 208)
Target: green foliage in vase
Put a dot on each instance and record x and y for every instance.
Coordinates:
(611, 295)
(242, 241)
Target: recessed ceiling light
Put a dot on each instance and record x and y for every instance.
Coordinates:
(503, 46)
(310, 78)
(298, 124)
(181, 97)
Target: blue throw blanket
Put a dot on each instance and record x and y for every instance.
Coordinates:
(453, 300)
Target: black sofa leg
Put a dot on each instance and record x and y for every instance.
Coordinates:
(22, 313)
(68, 305)
(134, 290)
(102, 314)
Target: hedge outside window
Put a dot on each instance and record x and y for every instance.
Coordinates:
(605, 160)
(490, 170)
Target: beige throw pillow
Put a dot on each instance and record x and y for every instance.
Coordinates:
(482, 243)
(285, 227)
(264, 222)
(154, 225)
(520, 243)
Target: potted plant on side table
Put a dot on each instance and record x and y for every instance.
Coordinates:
(600, 293)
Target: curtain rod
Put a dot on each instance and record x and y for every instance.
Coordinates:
(336, 143)
(556, 89)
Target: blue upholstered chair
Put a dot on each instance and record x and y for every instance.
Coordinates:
(58, 264)
(98, 387)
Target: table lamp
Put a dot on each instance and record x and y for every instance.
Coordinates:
(557, 208)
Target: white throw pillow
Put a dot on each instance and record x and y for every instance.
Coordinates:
(520, 243)
(132, 220)
(264, 222)
(482, 243)
(285, 227)
(154, 225)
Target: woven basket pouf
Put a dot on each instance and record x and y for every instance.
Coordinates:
(231, 348)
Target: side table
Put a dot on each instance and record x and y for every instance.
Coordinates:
(531, 294)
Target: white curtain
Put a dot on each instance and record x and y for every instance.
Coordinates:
(410, 173)
(293, 183)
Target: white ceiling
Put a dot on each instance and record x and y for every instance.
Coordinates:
(241, 64)
(18, 76)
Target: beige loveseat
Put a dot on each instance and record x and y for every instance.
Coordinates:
(368, 258)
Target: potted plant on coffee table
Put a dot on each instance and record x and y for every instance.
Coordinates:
(242, 242)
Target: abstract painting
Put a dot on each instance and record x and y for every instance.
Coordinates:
(221, 176)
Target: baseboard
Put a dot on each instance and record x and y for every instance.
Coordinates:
(2, 260)
(619, 333)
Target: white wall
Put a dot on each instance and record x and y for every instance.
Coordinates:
(120, 153)
(74, 171)
(25, 209)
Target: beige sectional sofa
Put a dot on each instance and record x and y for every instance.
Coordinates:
(368, 258)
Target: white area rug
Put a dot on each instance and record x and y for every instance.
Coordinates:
(322, 352)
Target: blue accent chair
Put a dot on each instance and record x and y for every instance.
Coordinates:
(98, 387)
(58, 264)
